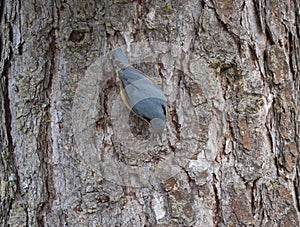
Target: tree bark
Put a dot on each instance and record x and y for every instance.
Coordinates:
(73, 155)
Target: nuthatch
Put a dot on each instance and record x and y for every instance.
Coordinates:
(140, 94)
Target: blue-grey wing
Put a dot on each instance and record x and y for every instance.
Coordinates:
(129, 75)
(138, 87)
(151, 108)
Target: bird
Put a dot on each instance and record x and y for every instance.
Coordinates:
(140, 94)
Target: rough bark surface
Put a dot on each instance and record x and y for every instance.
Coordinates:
(73, 155)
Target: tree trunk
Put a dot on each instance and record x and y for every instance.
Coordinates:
(73, 155)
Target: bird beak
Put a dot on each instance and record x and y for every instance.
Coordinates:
(159, 140)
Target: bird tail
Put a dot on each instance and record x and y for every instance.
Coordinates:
(119, 58)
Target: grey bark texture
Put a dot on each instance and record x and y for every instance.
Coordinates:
(73, 155)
